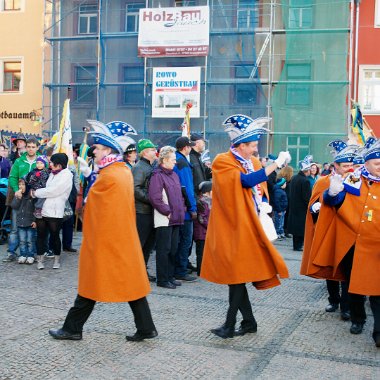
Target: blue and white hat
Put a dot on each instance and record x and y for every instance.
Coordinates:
(244, 129)
(371, 149)
(306, 163)
(358, 160)
(113, 134)
(343, 152)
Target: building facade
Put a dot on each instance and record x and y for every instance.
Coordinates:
(283, 59)
(21, 65)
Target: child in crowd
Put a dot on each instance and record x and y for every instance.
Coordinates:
(280, 204)
(36, 179)
(201, 223)
(25, 224)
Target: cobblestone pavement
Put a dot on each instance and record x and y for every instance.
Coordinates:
(296, 339)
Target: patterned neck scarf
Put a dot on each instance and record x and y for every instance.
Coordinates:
(110, 159)
(365, 173)
(257, 194)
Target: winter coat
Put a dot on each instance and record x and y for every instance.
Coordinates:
(25, 209)
(111, 263)
(280, 199)
(5, 167)
(20, 168)
(36, 179)
(167, 180)
(300, 192)
(201, 223)
(200, 173)
(142, 172)
(237, 249)
(56, 192)
(184, 171)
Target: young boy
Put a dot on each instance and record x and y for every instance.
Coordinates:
(201, 223)
(25, 224)
(36, 179)
(280, 204)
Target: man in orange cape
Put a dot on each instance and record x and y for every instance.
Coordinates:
(321, 218)
(357, 236)
(111, 263)
(237, 250)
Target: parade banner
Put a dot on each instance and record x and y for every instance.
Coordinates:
(173, 32)
(173, 89)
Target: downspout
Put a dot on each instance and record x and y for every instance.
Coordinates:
(350, 69)
(356, 50)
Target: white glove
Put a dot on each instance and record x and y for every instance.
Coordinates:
(282, 159)
(316, 207)
(83, 167)
(336, 185)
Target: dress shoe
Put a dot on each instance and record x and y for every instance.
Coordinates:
(186, 278)
(167, 285)
(64, 335)
(298, 249)
(70, 249)
(245, 330)
(139, 336)
(224, 332)
(175, 282)
(345, 315)
(289, 236)
(151, 278)
(376, 338)
(331, 307)
(356, 328)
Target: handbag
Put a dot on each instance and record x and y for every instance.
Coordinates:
(68, 211)
(267, 221)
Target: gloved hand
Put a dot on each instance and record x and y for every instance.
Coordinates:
(83, 167)
(282, 159)
(316, 207)
(336, 185)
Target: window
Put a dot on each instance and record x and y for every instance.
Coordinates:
(11, 76)
(377, 14)
(369, 89)
(247, 14)
(84, 93)
(300, 14)
(245, 93)
(298, 147)
(11, 5)
(133, 94)
(184, 3)
(132, 16)
(298, 94)
(88, 19)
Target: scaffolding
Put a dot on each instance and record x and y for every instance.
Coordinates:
(287, 59)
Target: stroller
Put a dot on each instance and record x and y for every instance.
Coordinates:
(5, 225)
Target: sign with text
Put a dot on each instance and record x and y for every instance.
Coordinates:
(173, 89)
(173, 32)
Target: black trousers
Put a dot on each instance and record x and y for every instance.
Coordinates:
(167, 239)
(298, 241)
(337, 296)
(239, 301)
(356, 301)
(146, 231)
(44, 227)
(82, 309)
(199, 247)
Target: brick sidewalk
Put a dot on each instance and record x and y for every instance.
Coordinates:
(296, 339)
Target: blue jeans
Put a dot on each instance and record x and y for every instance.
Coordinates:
(182, 255)
(13, 240)
(27, 237)
(279, 218)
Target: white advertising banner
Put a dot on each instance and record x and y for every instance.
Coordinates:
(173, 89)
(173, 32)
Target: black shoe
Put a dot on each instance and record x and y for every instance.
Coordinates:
(345, 315)
(356, 328)
(186, 278)
(376, 338)
(245, 330)
(289, 236)
(224, 332)
(139, 336)
(70, 249)
(175, 282)
(298, 249)
(167, 285)
(331, 307)
(151, 278)
(64, 335)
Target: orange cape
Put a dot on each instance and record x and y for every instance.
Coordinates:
(237, 249)
(111, 263)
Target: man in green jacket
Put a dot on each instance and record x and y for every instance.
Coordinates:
(21, 167)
